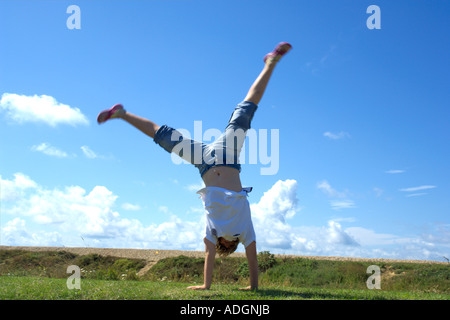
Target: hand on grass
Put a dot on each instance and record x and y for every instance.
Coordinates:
(248, 288)
(202, 287)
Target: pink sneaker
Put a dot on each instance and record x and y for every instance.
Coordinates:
(105, 115)
(281, 49)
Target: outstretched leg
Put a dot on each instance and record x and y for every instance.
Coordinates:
(259, 86)
(254, 95)
(117, 111)
(144, 125)
(232, 140)
(168, 138)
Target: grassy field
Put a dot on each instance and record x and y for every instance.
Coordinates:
(27, 288)
(43, 275)
(38, 288)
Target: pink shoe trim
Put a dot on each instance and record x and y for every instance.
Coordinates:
(105, 115)
(277, 53)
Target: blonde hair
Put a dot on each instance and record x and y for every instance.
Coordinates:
(223, 251)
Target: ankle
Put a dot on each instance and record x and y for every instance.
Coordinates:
(121, 113)
(271, 63)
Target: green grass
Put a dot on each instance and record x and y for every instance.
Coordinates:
(42, 275)
(37, 288)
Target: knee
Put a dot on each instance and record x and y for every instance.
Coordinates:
(243, 115)
(167, 138)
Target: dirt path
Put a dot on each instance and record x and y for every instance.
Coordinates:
(153, 255)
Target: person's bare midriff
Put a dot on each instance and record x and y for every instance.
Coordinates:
(223, 177)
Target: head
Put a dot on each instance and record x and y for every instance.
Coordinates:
(224, 247)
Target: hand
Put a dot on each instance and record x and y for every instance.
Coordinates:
(248, 288)
(202, 287)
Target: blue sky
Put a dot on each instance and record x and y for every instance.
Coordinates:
(362, 116)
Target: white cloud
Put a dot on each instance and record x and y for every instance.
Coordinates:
(43, 108)
(163, 209)
(326, 188)
(413, 189)
(328, 54)
(279, 201)
(346, 219)
(274, 232)
(338, 236)
(88, 152)
(339, 201)
(342, 204)
(49, 150)
(73, 216)
(195, 186)
(378, 192)
(15, 232)
(367, 237)
(315, 66)
(91, 154)
(74, 213)
(416, 194)
(419, 188)
(12, 190)
(395, 171)
(336, 136)
(131, 207)
(270, 213)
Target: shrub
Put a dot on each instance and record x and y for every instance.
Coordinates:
(177, 268)
(242, 270)
(266, 260)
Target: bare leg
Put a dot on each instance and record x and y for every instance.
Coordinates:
(254, 95)
(259, 86)
(144, 125)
